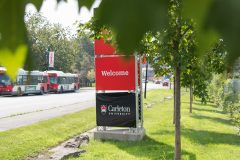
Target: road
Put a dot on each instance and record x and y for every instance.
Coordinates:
(20, 111)
(18, 105)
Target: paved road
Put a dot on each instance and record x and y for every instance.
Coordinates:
(10, 106)
(151, 86)
(20, 111)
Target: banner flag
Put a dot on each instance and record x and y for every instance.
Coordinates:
(51, 59)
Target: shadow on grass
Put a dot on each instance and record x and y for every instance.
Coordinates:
(150, 148)
(214, 119)
(201, 104)
(208, 110)
(207, 104)
(209, 137)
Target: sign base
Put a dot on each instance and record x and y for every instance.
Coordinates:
(123, 134)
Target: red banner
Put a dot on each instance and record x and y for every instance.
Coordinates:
(103, 48)
(115, 73)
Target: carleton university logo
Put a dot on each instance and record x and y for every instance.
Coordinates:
(103, 109)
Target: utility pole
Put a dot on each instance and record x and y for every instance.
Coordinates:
(145, 89)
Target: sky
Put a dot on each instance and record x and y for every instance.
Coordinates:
(65, 13)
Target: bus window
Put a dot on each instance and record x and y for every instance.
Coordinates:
(20, 80)
(45, 79)
(53, 80)
(5, 80)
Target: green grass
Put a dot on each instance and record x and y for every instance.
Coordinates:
(28, 141)
(207, 134)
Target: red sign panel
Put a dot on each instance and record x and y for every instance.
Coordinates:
(103, 48)
(115, 73)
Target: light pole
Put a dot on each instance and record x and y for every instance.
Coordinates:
(145, 89)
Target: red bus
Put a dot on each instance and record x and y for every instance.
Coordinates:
(34, 82)
(62, 82)
(6, 85)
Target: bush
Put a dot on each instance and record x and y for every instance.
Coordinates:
(226, 95)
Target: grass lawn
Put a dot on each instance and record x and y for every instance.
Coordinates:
(207, 134)
(19, 143)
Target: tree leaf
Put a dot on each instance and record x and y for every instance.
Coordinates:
(13, 41)
(131, 19)
(12, 28)
(13, 60)
(223, 16)
(37, 3)
(86, 3)
(196, 9)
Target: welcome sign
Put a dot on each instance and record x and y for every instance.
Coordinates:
(116, 109)
(115, 73)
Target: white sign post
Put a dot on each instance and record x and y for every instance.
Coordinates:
(51, 59)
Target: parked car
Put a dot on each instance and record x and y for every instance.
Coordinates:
(165, 83)
(144, 81)
(157, 82)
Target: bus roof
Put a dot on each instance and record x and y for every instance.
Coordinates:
(33, 73)
(71, 75)
(58, 73)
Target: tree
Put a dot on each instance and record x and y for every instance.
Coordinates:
(45, 37)
(139, 17)
(84, 60)
(211, 16)
(91, 75)
(72, 54)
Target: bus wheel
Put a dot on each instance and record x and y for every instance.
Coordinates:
(19, 92)
(42, 91)
(75, 89)
(61, 90)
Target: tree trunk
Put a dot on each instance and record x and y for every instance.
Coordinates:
(174, 98)
(191, 98)
(178, 114)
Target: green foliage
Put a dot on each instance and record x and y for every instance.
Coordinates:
(87, 3)
(223, 18)
(130, 20)
(91, 75)
(13, 44)
(44, 37)
(72, 54)
(199, 70)
(231, 101)
(14, 49)
(226, 95)
(216, 88)
(84, 60)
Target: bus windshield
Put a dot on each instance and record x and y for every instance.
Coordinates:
(4, 80)
(29, 80)
(53, 80)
